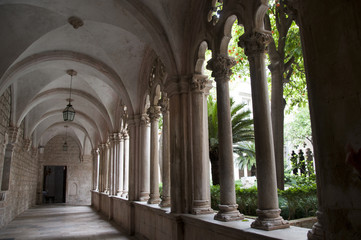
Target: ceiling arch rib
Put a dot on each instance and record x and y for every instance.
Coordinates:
(48, 95)
(58, 129)
(97, 68)
(87, 118)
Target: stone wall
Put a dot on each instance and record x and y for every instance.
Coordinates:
(23, 169)
(79, 169)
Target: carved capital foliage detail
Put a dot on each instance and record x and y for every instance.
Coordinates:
(157, 72)
(221, 67)
(154, 113)
(164, 104)
(255, 43)
(145, 119)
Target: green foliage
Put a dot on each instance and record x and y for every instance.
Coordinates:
(247, 200)
(298, 127)
(246, 155)
(298, 201)
(215, 196)
(241, 69)
(287, 42)
(242, 124)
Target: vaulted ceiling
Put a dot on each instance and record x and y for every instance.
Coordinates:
(38, 45)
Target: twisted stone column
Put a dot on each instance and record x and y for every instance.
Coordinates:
(144, 158)
(126, 164)
(268, 211)
(154, 114)
(221, 67)
(164, 104)
(201, 176)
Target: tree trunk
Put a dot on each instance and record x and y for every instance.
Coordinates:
(213, 156)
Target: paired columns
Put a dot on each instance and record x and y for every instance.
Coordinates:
(268, 210)
(221, 67)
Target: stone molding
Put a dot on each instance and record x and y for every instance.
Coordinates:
(221, 67)
(199, 83)
(154, 113)
(144, 120)
(228, 213)
(269, 220)
(255, 43)
(164, 104)
(13, 135)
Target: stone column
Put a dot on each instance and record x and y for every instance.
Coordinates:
(40, 184)
(144, 158)
(221, 67)
(107, 168)
(164, 104)
(126, 164)
(268, 211)
(100, 183)
(97, 170)
(121, 165)
(201, 200)
(154, 114)
(95, 167)
(116, 156)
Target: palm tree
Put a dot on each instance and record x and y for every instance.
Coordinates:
(242, 132)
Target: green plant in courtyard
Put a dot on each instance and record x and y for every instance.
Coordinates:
(242, 131)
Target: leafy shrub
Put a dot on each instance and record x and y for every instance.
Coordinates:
(247, 200)
(298, 201)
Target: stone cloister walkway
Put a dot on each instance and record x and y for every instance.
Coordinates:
(61, 222)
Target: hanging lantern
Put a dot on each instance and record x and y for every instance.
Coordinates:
(69, 112)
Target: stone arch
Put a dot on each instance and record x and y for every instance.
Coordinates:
(201, 57)
(111, 77)
(259, 17)
(58, 112)
(47, 94)
(227, 34)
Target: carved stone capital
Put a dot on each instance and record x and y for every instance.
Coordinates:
(125, 134)
(154, 113)
(157, 72)
(13, 135)
(144, 119)
(199, 82)
(221, 67)
(255, 43)
(164, 104)
(27, 144)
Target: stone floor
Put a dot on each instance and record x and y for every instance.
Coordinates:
(61, 222)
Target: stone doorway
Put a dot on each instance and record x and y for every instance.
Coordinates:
(54, 184)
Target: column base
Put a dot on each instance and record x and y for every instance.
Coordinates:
(165, 202)
(316, 233)
(124, 194)
(201, 207)
(269, 220)
(228, 213)
(153, 199)
(144, 196)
